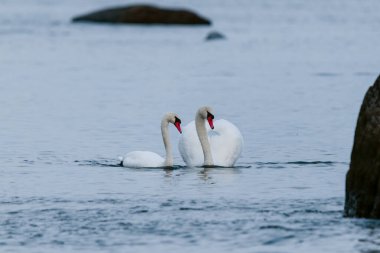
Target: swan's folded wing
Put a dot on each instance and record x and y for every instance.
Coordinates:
(226, 143)
(138, 159)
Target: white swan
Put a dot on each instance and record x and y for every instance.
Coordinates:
(199, 146)
(139, 159)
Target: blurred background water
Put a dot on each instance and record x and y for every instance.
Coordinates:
(291, 75)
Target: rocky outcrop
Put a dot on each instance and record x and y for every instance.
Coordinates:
(144, 14)
(214, 35)
(363, 177)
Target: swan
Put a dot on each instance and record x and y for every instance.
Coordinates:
(199, 146)
(139, 159)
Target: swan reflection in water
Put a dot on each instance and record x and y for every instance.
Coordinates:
(224, 173)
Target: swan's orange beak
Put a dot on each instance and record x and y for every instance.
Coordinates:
(178, 126)
(210, 122)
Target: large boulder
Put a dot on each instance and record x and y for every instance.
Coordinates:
(363, 177)
(144, 14)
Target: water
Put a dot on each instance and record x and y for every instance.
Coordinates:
(291, 75)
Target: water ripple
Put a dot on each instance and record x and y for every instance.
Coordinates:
(280, 165)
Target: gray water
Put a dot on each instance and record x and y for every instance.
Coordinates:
(291, 75)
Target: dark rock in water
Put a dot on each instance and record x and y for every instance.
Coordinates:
(363, 177)
(214, 35)
(144, 14)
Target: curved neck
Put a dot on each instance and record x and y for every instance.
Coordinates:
(167, 144)
(200, 126)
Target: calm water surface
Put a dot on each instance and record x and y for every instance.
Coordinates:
(291, 76)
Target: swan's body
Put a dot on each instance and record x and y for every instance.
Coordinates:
(145, 159)
(201, 146)
(139, 159)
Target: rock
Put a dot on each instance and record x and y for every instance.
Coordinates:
(214, 35)
(363, 177)
(144, 14)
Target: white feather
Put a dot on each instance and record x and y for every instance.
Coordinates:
(137, 159)
(225, 140)
(140, 159)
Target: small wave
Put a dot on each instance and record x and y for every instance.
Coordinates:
(98, 163)
(165, 168)
(190, 209)
(275, 227)
(28, 161)
(363, 73)
(327, 74)
(279, 239)
(281, 165)
(222, 167)
(312, 162)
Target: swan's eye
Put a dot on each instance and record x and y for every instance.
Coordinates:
(209, 115)
(177, 120)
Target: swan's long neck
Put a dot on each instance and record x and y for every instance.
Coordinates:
(167, 143)
(200, 125)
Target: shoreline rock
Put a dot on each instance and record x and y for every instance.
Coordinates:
(143, 14)
(363, 177)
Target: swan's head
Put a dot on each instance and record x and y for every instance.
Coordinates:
(173, 118)
(206, 113)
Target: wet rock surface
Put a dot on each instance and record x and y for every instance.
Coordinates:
(144, 14)
(363, 177)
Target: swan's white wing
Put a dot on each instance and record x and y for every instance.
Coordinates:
(190, 147)
(225, 139)
(226, 143)
(138, 159)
